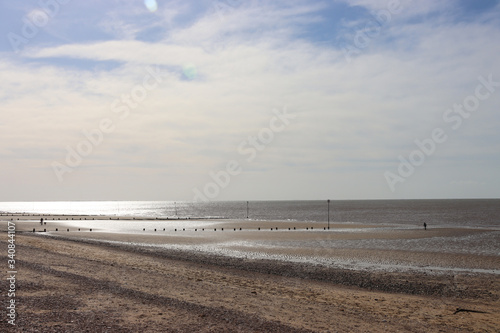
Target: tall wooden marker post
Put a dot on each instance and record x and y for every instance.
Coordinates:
(328, 214)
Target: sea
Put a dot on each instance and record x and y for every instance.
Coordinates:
(379, 215)
(474, 213)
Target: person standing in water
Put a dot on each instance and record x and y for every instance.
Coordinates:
(41, 221)
(425, 226)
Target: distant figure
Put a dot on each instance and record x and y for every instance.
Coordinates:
(41, 221)
(425, 226)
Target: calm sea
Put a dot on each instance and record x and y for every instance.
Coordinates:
(453, 212)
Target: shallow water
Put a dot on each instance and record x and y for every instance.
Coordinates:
(388, 220)
(487, 243)
(134, 227)
(471, 212)
(343, 263)
(379, 249)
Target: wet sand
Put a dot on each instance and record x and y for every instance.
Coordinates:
(79, 281)
(346, 245)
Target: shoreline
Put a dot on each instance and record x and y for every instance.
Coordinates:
(351, 246)
(378, 261)
(365, 279)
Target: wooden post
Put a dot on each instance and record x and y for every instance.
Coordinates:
(328, 214)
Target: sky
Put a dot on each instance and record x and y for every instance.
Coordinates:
(249, 100)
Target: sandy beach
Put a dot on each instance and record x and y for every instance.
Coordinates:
(248, 280)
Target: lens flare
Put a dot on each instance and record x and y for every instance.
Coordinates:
(190, 71)
(151, 5)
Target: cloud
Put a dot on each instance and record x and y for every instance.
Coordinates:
(353, 119)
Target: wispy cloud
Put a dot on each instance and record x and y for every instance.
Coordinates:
(353, 119)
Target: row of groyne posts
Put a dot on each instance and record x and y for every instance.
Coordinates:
(241, 229)
(110, 218)
(162, 219)
(57, 229)
(200, 229)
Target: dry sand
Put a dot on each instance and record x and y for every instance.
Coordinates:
(74, 282)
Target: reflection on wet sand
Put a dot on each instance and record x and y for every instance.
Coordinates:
(344, 245)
